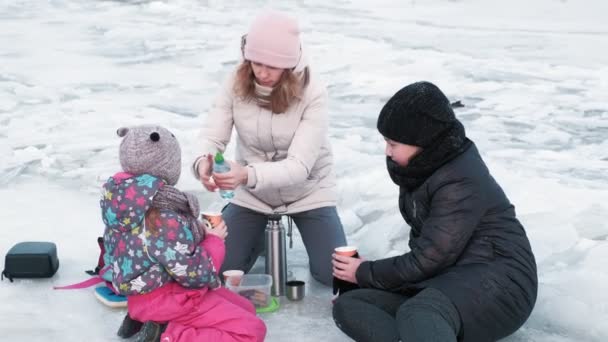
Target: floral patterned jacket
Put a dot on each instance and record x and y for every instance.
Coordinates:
(142, 259)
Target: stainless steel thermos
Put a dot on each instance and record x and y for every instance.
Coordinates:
(276, 258)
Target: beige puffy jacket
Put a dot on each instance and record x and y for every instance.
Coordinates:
(287, 155)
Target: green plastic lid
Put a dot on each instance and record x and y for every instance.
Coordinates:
(272, 307)
(219, 158)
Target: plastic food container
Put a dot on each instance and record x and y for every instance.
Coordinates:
(254, 287)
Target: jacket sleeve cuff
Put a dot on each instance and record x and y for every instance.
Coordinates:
(195, 165)
(214, 246)
(364, 274)
(252, 179)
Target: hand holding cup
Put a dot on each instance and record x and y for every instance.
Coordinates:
(345, 263)
(213, 224)
(211, 218)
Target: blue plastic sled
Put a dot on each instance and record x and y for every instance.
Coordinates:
(105, 295)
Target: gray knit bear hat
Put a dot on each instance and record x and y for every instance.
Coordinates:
(150, 149)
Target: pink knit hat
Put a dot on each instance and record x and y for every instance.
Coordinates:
(274, 40)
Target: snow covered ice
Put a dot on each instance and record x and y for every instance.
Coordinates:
(533, 77)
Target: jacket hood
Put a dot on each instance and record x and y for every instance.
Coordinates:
(126, 199)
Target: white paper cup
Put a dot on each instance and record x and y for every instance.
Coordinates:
(233, 277)
(346, 250)
(211, 219)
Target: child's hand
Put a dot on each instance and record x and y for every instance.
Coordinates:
(220, 230)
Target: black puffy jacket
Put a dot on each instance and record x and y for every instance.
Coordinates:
(465, 241)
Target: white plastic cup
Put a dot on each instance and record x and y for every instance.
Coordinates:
(233, 277)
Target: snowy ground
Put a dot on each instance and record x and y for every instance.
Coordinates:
(533, 77)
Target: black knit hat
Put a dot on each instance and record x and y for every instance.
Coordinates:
(416, 115)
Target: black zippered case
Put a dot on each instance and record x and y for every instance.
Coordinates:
(31, 260)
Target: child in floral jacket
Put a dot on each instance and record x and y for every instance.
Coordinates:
(160, 256)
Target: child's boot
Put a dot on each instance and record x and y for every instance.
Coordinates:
(129, 327)
(150, 332)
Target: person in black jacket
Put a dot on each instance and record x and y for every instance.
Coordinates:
(470, 274)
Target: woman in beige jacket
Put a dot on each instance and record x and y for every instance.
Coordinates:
(283, 157)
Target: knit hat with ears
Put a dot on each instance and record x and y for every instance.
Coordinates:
(274, 40)
(152, 150)
(418, 114)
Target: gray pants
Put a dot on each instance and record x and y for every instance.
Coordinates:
(382, 316)
(321, 232)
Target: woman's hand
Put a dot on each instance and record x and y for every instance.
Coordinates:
(220, 230)
(204, 173)
(345, 267)
(232, 179)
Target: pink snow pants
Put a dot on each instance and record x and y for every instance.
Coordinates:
(199, 315)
